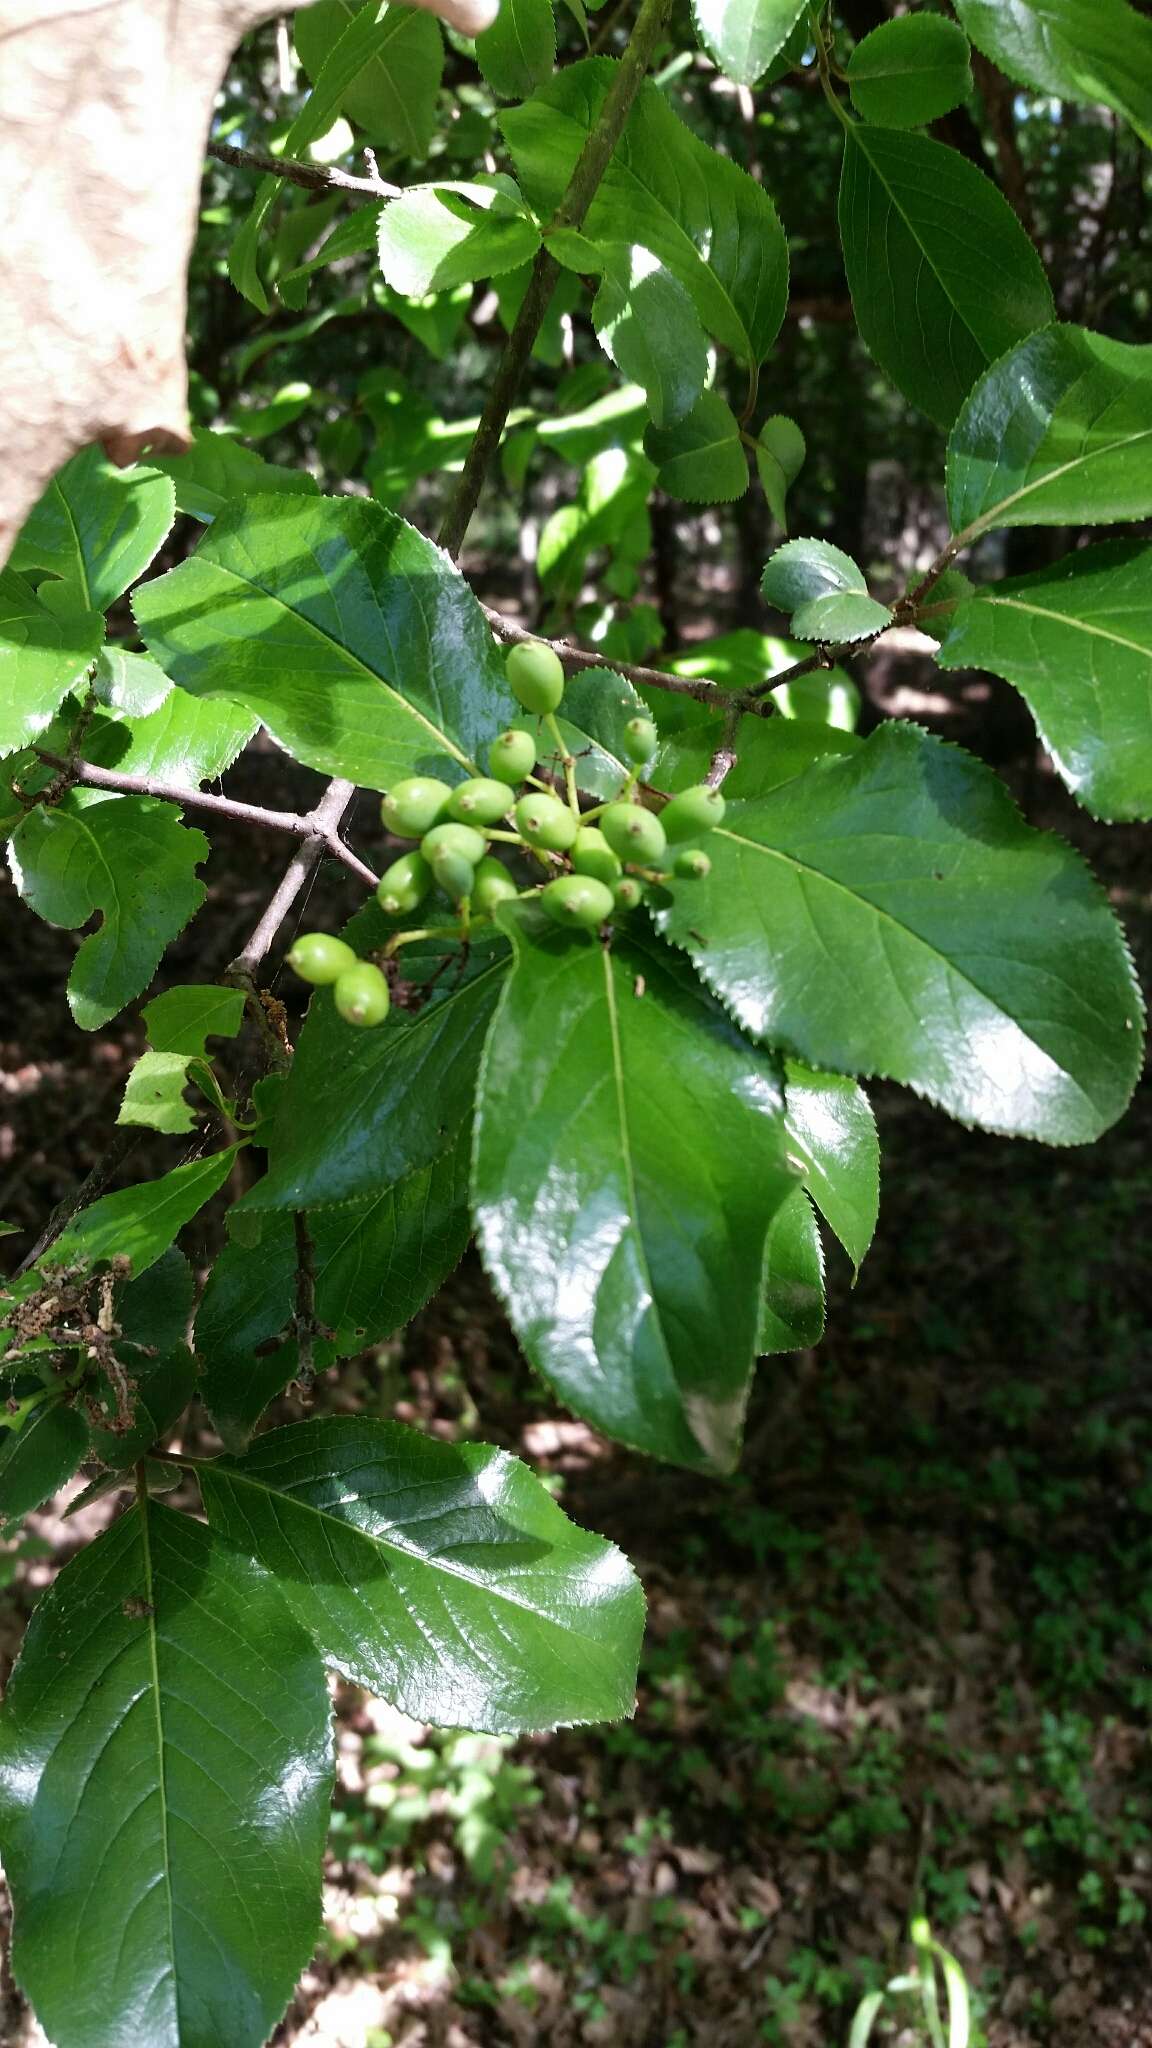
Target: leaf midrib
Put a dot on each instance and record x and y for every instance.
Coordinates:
(158, 1725)
(384, 1543)
(1058, 618)
(886, 916)
(853, 134)
(322, 633)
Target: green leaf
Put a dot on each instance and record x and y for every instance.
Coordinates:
(942, 275)
(743, 36)
(824, 590)
(629, 1159)
(128, 685)
(368, 31)
(42, 655)
(519, 50)
(154, 1093)
(361, 1110)
(707, 220)
(139, 1224)
(97, 527)
(832, 1130)
(354, 639)
(183, 742)
(376, 1262)
(1076, 640)
(700, 458)
(1097, 51)
(648, 326)
(127, 857)
(184, 1019)
(910, 71)
(792, 1308)
(1058, 433)
(983, 964)
(394, 94)
(38, 1459)
(780, 452)
(217, 467)
(430, 245)
(769, 751)
(442, 1576)
(165, 1766)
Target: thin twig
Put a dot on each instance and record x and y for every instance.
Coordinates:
(584, 657)
(301, 825)
(313, 177)
(581, 190)
(305, 1317)
(323, 822)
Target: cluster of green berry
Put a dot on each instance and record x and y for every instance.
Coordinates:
(456, 825)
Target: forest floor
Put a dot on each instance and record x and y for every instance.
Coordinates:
(900, 1664)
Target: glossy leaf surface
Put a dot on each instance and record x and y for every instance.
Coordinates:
(1059, 432)
(942, 275)
(43, 654)
(217, 467)
(629, 1159)
(38, 1459)
(165, 1769)
(363, 1109)
(394, 93)
(139, 1223)
(1099, 51)
(97, 527)
(517, 53)
(743, 36)
(442, 1576)
(792, 1309)
(706, 219)
(354, 639)
(129, 858)
(825, 591)
(700, 458)
(1076, 640)
(649, 327)
(985, 968)
(832, 1129)
(435, 237)
(909, 71)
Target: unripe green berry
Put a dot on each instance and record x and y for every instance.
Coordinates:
(694, 811)
(628, 893)
(319, 958)
(545, 822)
(634, 833)
(404, 885)
(692, 865)
(455, 875)
(361, 994)
(592, 855)
(641, 740)
(535, 675)
(493, 886)
(577, 900)
(480, 801)
(512, 757)
(451, 838)
(413, 806)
